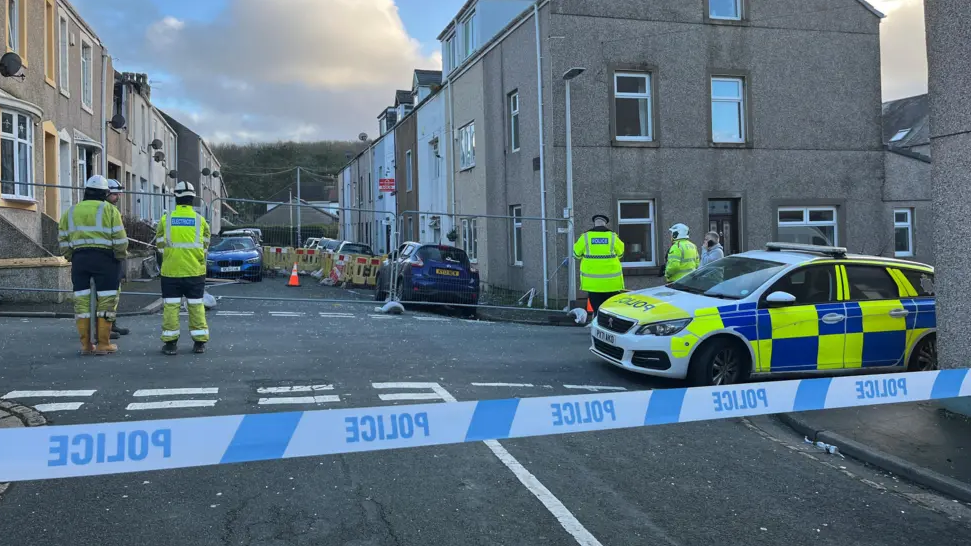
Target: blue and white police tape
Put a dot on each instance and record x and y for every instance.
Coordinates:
(109, 448)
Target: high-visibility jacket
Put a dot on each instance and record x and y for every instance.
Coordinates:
(599, 253)
(183, 236)
(682, 259)
(92, 224)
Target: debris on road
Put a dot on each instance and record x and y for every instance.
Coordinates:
(823, 446)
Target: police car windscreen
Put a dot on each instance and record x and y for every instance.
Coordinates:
(731, 278)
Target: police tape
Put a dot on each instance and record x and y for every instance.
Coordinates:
(109, 448)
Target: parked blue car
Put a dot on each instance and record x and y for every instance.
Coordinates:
(431, 273)
(235, 257)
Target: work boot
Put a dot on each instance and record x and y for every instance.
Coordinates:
(170, 348)
(105, 347)
(199, 347)
(84, 332)
(119, 330)
(114, 335)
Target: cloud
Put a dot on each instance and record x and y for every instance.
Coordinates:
(903, 48)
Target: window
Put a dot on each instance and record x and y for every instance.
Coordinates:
(411, 228)
(514, 120)
(870, 283)
(451, 54)
(470, 238)
(144, 200)
(144, 129)
(16, 156)
(727, 110)
(810, 285)
(922, 282)
(409, 184)
(899, 135)
(87, 89)
(632, 107)
(64, 46)
(84, 163)
(468, 35)
(903, 232)
(516, 211)
(50, 46)
(725, 9)
(808, 225)
(14, 34)
(435, 160)
(467, 147)
(635, 221)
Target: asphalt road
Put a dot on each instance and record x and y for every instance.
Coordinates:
(726, 482)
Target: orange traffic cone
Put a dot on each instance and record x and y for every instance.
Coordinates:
(589, 306)
(294, 278)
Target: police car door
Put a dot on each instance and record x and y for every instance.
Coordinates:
(808, 334)
(876, 322)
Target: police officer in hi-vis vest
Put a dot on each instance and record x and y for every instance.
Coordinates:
(92, 236)
(183, 237)
(599, 251)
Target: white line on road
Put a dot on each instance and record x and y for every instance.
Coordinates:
(63, 406)
(593, 388)
(433, 319)
(336, 315)
(325, 398)
(439, 393)
(410, 396)
(46, 394)
(502, 384)
(168, 404)
(296, 388)
(234, 313)
(286, 314)
(382, 316)
(175, 392)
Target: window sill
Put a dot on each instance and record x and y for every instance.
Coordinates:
(464, 169)
(18, 198)
(65, 93)
(641, 270)
(635, 143)
(517, 264)
(516, 150)
(730, 145)
(727, 22)
(903, 254)
(50, 82)
(87, 108)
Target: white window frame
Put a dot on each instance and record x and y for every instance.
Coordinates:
(516, 212)
(649, 221)
(647, 95)
(82, 154)
(909, 226)
(468, 36)
(64, 54)
(514, 141)
(807, 223)
(87, 77)
(470, 239)
(467, 147)
(409, 164)
(13, 27)
(736, 17)
(739, 100)
(436, 161)
(451, 53)
(21, 191)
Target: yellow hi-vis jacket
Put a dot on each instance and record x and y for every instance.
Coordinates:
(92, 224)
(682, 259)
(183, 236)
(599, 253)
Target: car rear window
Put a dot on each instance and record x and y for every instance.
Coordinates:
(444, 254)
(354, 248)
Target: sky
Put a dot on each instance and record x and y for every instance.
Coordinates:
(303, 70)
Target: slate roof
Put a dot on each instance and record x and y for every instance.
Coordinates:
(428, 78)
(403, 97)
(912, 114)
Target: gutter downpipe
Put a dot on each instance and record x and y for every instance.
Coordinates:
(542, 155)
(451, 152)
(104, 114)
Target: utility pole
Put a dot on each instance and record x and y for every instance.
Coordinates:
(299, 234)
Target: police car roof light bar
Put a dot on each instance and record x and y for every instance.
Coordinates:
(834, 251)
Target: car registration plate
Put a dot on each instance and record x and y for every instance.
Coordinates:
(447, 272)
(231, 269)
(604, 336)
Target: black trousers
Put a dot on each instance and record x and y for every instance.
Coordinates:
(193, 288)
(598, 298)
(100, 265)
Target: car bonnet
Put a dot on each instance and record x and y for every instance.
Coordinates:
(661, 304)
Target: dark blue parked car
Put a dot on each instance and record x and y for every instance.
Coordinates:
(235, 257)
(430, 273)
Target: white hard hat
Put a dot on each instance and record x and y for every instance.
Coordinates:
(115, 186)
(97, 182)
(680, 231)
(184, 189)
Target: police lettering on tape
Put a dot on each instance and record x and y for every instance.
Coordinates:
(85, 450)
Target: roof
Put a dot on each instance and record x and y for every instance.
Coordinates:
(428, 78)
(908, 120)
(872, 9)
(403, 97)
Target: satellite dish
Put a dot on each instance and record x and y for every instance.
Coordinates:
(159, 156)
(118, 121)
(157, 144)
(10, 64)
(174, 174)
(362, 137)
(206, 172)
(215, 174)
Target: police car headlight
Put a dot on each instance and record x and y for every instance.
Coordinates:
(666, 328)
(253, 260)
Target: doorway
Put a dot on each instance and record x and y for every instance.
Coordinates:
(51, 207)
(723, 219)
(65, 180)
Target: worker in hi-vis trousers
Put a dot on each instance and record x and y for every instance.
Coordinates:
(114, 195)
(183, 237)
(92, 236)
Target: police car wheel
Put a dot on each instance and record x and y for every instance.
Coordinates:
(719, 362)
(924, 357)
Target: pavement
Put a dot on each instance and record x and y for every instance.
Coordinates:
(129, 304)
(739, 481)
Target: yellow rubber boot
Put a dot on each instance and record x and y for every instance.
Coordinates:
(84, 331)
(105, 347)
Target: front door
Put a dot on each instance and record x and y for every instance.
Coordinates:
(723, 220)
(876, 324)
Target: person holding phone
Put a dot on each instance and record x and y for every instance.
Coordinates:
(711, 250)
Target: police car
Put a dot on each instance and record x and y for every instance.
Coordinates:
(788, 308)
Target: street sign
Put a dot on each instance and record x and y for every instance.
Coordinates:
(386, 185)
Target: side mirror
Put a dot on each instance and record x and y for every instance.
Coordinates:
(780, 298)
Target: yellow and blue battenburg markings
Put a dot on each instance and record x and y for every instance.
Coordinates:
(37, 453)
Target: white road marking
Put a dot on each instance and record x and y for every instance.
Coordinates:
(234, 313)
(567, 520)
(46, 394)
(502, 384)
(322, 399)
(593, 388)
(286, 314)
(438, 393)
(474, 321)
(433, 319)
(410, 396)
(336, 315)
(168, 404)
(175, 392)
(63, 406)
(382, 316)
(298, 388)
